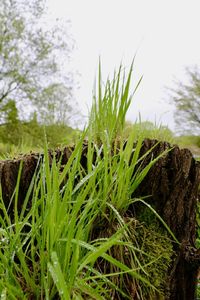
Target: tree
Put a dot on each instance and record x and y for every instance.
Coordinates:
(186, 98)
(31, 75)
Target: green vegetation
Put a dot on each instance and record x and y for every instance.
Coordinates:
(78, 240)
(32, 80)
(149, 130)
(185, 96)
(191, 142)
(25, 137)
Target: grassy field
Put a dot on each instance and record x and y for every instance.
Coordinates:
(55, 249)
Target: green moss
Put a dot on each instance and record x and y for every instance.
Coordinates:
(158, 249)
(149, 252)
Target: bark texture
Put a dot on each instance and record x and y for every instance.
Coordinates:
(173, 185)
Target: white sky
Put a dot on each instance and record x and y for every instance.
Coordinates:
(164, 33)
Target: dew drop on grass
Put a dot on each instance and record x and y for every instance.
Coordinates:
(3, 294)
(61, 293)
(4, 241)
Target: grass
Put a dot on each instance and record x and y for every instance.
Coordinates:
(150, 130)
(25, 137)
(53, 248)
(78, 239)
(190, 142)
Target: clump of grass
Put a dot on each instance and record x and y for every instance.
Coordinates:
(110, 105)
(77, 240)
(149, 130)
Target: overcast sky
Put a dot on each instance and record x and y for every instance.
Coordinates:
(164, 33)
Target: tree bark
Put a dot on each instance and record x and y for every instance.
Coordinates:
(173, 185)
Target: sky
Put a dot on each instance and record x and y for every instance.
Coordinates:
(164, 36)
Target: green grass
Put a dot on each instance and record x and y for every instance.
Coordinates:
(53, 248)
(25, 137)
(78, 240)
(191, 142)
(150, 130)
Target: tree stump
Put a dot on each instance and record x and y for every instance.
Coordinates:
(173, 185)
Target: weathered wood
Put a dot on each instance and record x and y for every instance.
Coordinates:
(173, 185)
(9, 170)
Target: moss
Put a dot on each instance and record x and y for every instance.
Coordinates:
(150, 256)
(159, 248)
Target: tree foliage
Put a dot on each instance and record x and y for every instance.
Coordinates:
(186, 97)
(31, 75)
